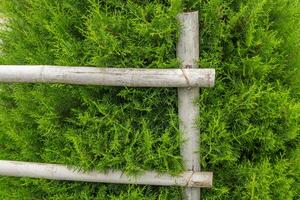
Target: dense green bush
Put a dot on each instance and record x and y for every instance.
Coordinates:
(250, 121)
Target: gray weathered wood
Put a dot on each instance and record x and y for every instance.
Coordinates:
(61, 172)
(131, 77)
(188, 53)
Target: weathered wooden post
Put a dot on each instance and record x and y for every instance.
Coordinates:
(188, 53)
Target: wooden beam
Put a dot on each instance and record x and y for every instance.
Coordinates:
(188, 53)
(61, 172)
(131, 77)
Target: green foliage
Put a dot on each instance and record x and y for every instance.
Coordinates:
(250, 121)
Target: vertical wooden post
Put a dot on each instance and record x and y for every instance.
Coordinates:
(188, 53)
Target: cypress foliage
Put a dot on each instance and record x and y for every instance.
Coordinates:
(250, 121)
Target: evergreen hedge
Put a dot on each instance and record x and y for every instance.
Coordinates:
(250, 121)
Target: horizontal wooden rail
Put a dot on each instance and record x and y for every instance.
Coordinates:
(61, 172)
(131, 77)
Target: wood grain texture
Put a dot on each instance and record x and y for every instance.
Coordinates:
(131, 77)
(61, 172)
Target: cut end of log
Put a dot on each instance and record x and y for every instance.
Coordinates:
(211, 78)
(201, 180)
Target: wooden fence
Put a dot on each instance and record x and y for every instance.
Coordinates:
(187, 79)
